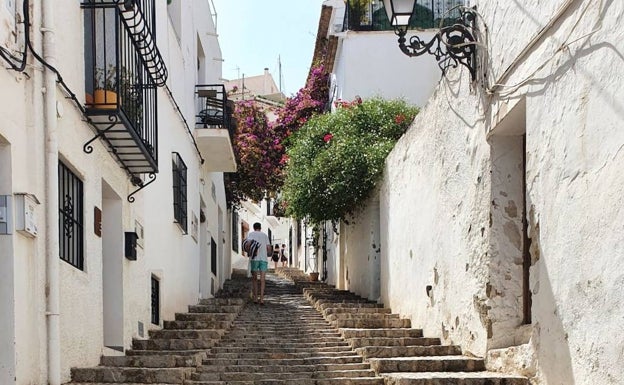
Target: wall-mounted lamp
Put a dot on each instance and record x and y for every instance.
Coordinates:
(453, 44)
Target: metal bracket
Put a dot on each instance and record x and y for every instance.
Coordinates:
(138, 182)
(87, 146)
(452, 45)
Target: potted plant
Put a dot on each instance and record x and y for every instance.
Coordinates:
(105, 93)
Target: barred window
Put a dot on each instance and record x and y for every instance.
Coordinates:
(179, 191)
(155, 301)
(235, 239)
(71, 234)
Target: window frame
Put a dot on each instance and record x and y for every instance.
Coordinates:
(71, 217)
(180, 192)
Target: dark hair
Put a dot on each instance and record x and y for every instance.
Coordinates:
(283, 245)
(257, 226)
(276, 245)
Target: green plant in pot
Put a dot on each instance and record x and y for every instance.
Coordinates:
(105, 93)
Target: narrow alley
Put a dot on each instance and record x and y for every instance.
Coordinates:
(307, 333)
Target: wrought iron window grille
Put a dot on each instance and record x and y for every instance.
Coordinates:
(71, 219)
(180, 191)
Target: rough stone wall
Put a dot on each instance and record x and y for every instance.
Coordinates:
(438, 195)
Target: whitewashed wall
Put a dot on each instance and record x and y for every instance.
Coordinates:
(167, 253)
(370, 64)
(439, 194)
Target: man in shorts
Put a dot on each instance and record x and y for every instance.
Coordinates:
(259, 264)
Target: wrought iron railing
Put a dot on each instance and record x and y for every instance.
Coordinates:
(212, 107)
(370, 15)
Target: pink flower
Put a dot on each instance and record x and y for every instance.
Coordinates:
(327, 138)
(399, 119)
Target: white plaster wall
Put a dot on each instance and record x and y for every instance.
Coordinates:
(436, 195)
(167, 252)
(371, 64)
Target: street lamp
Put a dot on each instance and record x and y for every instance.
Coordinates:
(452, 45)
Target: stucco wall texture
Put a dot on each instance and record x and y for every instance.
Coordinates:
(452, 202)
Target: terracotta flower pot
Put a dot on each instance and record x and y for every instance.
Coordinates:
(104, 99)
(314, 277)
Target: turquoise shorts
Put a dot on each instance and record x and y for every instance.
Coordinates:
(259, 266)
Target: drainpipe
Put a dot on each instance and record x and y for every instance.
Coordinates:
(51, 196)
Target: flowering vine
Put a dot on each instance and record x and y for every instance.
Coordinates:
(260, 146)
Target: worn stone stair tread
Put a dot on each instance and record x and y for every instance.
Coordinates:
(427, 364)
(453, 378)
(293, 376)
(389, 341)
(283, 361)
(130, 374)
(407, 351)
(153, 361)
(142, 352)
(272, 367)
(299, 381)
(381, 332)
(116, 383)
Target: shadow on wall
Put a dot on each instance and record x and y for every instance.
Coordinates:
(552, 346)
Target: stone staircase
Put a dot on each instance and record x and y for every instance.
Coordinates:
(323, 337)
(170, 355)
(285, 341)
(395, 351)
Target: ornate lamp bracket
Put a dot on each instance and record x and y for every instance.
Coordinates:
(452, 45)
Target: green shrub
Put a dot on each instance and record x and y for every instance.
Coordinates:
(335, 160)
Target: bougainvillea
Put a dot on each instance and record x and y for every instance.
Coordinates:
(260, 146)
(310, 100)
(258, 151)
(335, 160)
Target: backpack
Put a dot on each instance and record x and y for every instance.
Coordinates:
(251, 247)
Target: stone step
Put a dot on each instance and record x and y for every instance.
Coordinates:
(270, 366)
(214, 308)
(288, 345)
(279, 355)
(372, 323)
(453, 378)
(173, 344)
(373, 333)
(153, 361)
(205, 316)
(135, 375)
(222, 361)
(361, 316)
(186, 334)
(360, 305)
(399, 341)
(222, 301)
(298, 381)
(251, 376)
(229, 340)
(427, 364)
(197, 325)
(282, 350)
(355, 310)
(408, 351)
(190, 352)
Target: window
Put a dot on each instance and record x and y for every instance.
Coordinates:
(155, 301)
(179, 191)
(71, 234)
(213, 256)
(235, 230)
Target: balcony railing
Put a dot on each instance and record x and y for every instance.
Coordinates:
(122, 71)
(215, 127)
(370, 15)
(213, 110)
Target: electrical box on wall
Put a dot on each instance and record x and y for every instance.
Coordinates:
(26, 214)
(6, 214)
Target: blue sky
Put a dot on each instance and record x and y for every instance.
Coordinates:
(254, 33)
